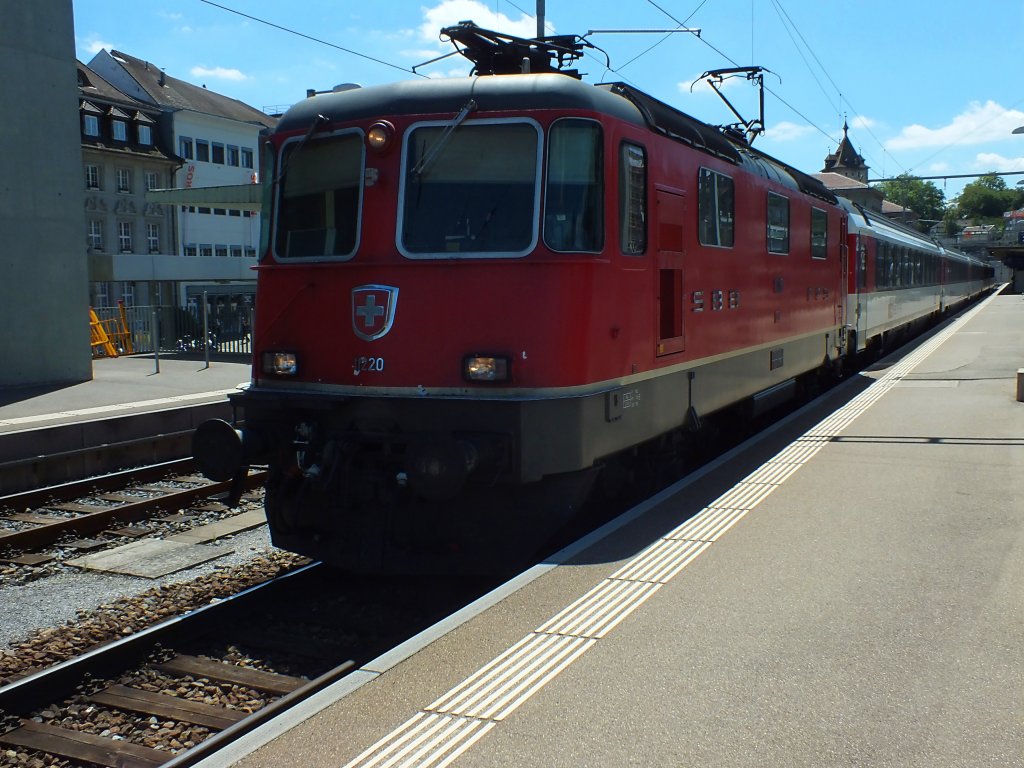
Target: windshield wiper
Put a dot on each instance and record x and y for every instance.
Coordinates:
(427, 160)
(318, 121)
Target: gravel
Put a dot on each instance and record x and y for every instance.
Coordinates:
(58, 599)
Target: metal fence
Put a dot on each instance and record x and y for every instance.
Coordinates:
(178, 330)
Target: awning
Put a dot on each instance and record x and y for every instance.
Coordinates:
(245, 197)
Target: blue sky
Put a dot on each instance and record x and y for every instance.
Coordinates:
(925, 90)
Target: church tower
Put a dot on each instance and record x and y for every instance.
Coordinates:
(846, 161)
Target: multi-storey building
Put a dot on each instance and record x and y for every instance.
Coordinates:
(124, 156)
(215, 140)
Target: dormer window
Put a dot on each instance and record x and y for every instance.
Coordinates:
(90, 118)
(119, 130)
(144, 128)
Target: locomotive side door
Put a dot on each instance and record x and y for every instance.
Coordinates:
(670, 214)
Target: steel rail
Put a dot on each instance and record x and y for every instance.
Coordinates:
(56, 682)
(126, 512)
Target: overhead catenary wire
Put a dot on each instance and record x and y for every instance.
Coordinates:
(314, 39)
(788, 23)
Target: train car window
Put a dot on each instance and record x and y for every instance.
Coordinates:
(862, 263)
(574, 195)
(819, 233)
(778, 223)
(716, 208)
(470, 191)
(633, 199)
(320, 194)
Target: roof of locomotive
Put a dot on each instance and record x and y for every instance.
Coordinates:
(544, 91)
(450, 95)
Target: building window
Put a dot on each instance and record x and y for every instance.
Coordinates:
(250, 252)
(96, 234)
(203, 150)
(633, 199)
(219, 212)
(124, 236)
(218, 154)
(153, 237)
(778, 223)
(202, 209)
(236, 251)
(92, 176)
(233, 156)
(119, 130)
(152, 180)
(716, 208)
(124, 180)
(185, 147)
(90, 125)
(190, 250)
(819, 233)
(128, 294)
(222, 250)
(246, 158)
(101, 295)
(145, 135)
(206, 250)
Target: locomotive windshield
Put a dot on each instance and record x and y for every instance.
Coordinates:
(470, 190)
(319, 197)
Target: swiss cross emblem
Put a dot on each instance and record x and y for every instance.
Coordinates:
(373, 310)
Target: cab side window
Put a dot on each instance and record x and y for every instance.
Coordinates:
(716, 208)
(633, 199)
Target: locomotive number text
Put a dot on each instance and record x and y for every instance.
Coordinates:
(718, 300)
(369, 364)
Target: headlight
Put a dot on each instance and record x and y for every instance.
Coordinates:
(379, 135)
(486, 368)
(280, 363)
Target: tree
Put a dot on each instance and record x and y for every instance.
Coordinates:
(922, 197)
(986, 198)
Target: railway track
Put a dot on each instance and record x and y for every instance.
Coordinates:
(175, 692)
(37, 519)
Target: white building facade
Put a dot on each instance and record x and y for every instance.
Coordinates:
(216, 141)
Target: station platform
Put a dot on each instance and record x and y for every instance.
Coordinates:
(122, 386)
(843, 590)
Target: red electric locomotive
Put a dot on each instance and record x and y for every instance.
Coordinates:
(475, 295)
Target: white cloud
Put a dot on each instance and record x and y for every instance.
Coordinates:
(990, 161)
(862, 122)
(939, 167)
(787, 131)
(421, 54)
(221, 73)
(978, 124)
(94, 45)
(450, 12)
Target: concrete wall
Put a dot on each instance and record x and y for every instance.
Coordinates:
(44, 337)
